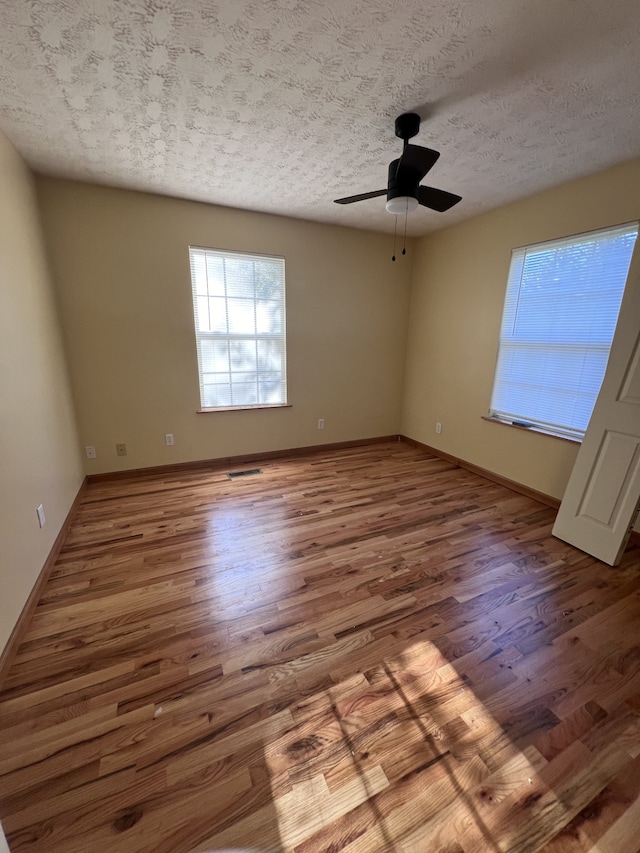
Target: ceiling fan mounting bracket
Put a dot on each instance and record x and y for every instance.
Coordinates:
(407, 126)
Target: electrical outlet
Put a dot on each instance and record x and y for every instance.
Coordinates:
(438, 428)
(168, 439)
(320, 423)
(121, 449)
(41, 518)
(90, 451)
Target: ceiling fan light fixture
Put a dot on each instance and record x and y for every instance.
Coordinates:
(402, 204)
(404, 191)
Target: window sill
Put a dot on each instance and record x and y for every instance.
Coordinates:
(531, 429)
(245, 408)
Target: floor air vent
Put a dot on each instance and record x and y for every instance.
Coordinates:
(248, 473)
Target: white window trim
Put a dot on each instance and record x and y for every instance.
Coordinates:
(506, 407)
(244, 336)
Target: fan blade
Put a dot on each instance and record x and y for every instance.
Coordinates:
(351, 198)
(416, 161)
(437, 199)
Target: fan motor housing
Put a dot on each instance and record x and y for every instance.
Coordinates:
(395, 188)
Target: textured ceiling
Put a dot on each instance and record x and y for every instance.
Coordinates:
(284, 105)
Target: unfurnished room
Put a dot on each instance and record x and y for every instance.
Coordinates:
(320, 426)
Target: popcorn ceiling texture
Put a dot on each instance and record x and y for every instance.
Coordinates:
(284, 105)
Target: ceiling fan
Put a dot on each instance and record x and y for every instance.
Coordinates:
(403, 191)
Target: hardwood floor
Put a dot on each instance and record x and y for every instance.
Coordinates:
(363, 650)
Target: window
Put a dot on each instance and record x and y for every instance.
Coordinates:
(239, 312)
(560, 314)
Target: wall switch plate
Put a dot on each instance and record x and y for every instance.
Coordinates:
(320, 423)
(438, 428)
(90, 451)
(168, 439)
(41, 518)
(121, 449)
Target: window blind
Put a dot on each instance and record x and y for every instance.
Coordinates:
(560, 314)
(240, 324)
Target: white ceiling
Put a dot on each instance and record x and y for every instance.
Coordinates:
(284, 105)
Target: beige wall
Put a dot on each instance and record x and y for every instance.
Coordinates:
(38, 442)
(120, 263)
(121, 266)
(459, 282)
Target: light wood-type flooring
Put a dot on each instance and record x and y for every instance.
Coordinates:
(360, 650)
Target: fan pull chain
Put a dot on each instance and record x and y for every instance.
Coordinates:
(404, 242)
(395, 232)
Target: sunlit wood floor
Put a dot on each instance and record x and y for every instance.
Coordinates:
(360, 650)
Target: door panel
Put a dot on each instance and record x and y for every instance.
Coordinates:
(602, 497)
(612, 476)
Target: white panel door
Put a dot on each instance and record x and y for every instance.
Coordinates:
(602, 498)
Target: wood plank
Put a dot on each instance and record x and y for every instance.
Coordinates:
(364, 649)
